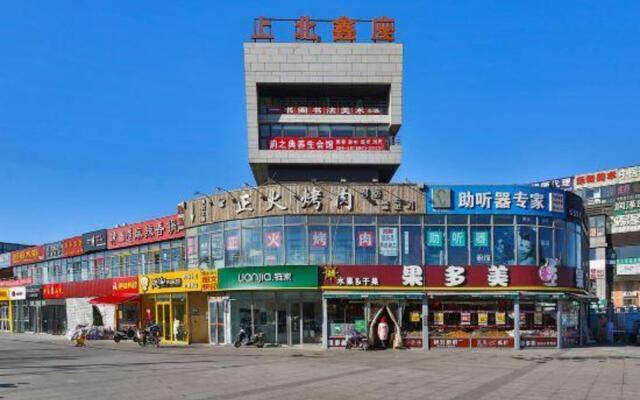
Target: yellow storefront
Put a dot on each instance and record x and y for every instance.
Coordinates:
(176, 302)
(6, 316)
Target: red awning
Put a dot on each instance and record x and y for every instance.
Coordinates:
(125, 298)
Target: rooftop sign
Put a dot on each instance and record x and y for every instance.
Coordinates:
(344, 29)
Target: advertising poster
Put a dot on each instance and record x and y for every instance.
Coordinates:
(438, 318)
(501, 318)
(388, 241)
(483, 319)
(465, 318)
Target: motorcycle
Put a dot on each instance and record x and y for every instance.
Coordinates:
(357, 340)
(244, 339)
(128, 334)
(150, 335)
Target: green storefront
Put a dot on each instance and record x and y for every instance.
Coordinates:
(283, 302)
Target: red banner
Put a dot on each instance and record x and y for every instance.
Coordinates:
(125, 285)
(498, 277)
(310, 110)
(331, 144)
(53, 291)
(373, 276)
(29, 255)
(155, 230)
(446, 343)
(72, 246)
(492, 342)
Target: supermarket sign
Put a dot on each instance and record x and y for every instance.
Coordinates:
(331, 144)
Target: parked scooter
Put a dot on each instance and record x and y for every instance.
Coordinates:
(244, 339)
(150, 335)
(127, 334)
(357, 340)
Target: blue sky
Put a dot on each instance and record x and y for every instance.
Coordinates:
(114, 112)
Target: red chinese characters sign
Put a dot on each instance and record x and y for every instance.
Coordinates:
(372, 277)
(125, 286)
(27, 256)
(498, 277)
(331, 144)
(155, 230)
(53, 291)
(72, 247)
(600, 178)
(313, 110)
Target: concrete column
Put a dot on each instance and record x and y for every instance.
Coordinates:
(367, 316)
(559, 324)
(425, 323)
(325, 324)
(516, 322)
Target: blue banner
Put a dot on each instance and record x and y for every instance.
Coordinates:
(485, 199)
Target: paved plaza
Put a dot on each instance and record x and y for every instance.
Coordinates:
(44, 367)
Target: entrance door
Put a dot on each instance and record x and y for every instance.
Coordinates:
(163, 318)
(4, 317)
(296, 324)
(216, 320)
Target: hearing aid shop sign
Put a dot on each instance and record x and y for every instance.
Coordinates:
(521, 200)
(260, 278)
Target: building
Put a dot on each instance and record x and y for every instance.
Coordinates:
(325, 245)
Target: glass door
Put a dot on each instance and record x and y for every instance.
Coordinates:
(216, 320)
(4, 317)
(296, 324)
(163, 318)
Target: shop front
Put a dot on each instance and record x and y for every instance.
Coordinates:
(19, 309)
(125, 299)
(5, 311)
(282, 302)
(383, 302)
(34, 303)
(175, 301)
(495, 306)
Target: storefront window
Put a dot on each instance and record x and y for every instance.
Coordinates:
(365, 239)
(480, 245)
(318, 244)
(252, 246)
(232, 247)
(203, 250)
(264, 315)
(457, 246)
(546, 246)
(273, 245)
(295, 245)
(345, 316)
(411, 245)
(342, 244)
(527, 239)
(434, 245)
(571, 254)
(166, 260)
(503, 245)
(217, 249)
(559, 241)
(179, 314)
(388, 245)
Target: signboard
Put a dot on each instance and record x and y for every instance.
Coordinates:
(498, 277)
(53, 291)
(5, 260)
(259, 278)
(209, 281)
(171, 282)
(628, 266)
(449, 343)
(438, 318)
(483, 318)
(17, 293)
(596, 269)
(306, 110)
(492, 342)
(53, 250)
(629, 174)
(596, 179)
(4, 294)
(72, 247)
(539, 342)
(34, 292)
(388, 237)
(151, 231)
(94, 241)
(372, 277)
(625, 223)
(521, 200)
(29, 255)
(624, 207)
(305, 199)
(565, 183)
(125, 285)
(501, 318)
(328, 144)
(15, 282)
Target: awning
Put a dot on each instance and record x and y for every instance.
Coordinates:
(125, 298)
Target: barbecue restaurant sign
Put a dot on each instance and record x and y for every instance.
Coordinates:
(305, 199)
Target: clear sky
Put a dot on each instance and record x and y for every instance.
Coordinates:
(115, 111)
